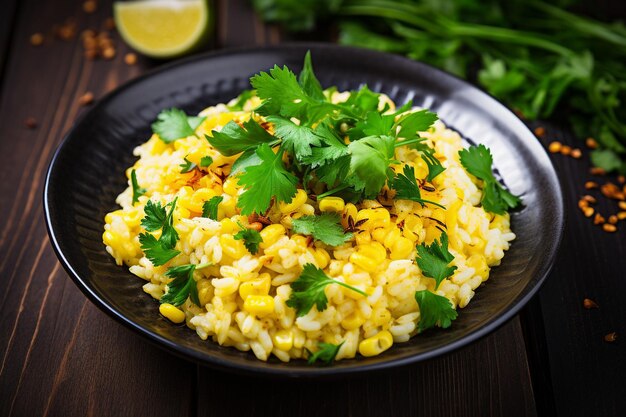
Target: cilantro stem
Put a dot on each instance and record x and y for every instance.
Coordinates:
(204, 265)
(332, 191)
(343, 284)
(408, 142)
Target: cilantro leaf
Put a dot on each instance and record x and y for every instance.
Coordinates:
(308, 290)
(246, 159)
(173, 124)
(428, 155)
(206, 161)
(477, 160)
(137, 190)
(158, 251)
(414, 122)
(326, 353)
(155, 216)
(235, 138)
(435, 310)
(370, 161)
(325, 227)
(241, 100)
(297, 140)
(281, 92)
(262, 182)
(188, 166)
(321, 155)
(407, 189)
(374, 124)
(308, 81)
(433, 260)
(209, 208)
(183, 286)
(251, 239)
(195, 121)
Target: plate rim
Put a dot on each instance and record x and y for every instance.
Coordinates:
(249, 368)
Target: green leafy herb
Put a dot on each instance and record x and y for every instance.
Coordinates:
(268, 179)
(241, 100)
(137, 190)
(415, 122)
(325, 227)
(251, 238)
(209, 208)
(206, 161)
(183, 286)
(297, 139)
(308, 290)
(428, 155)
(435, 310)
(326, 353)
(477, 160)
(188, 166)
(174, 124)
(406, 187)
(370, 159)
(234, 138)
(162, 250)
(434, 259)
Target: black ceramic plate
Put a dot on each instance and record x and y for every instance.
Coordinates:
(87, 173)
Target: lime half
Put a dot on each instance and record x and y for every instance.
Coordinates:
(163, 28)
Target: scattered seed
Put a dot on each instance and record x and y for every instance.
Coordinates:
(588, 211)
(589, 304)
(591, 143)
(566, 150)
(598, 219)
(36, 39)
(610, 228)
(540, 131)
(66, 31)
(613, 219)
(31, 122)
(591, 185)
(583, 204)
(589, 199)
(576, 153)
(86, 99)
(621, 215)
(611, 337)
(555, 147)
(622, 205)
(611, 190)
(109, 23)
(108, 53)
(597, 171)
(130, 58)
(90, 6)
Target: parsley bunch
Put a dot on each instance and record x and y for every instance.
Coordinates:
(346, 148)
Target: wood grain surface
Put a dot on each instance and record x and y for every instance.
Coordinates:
(60, 356)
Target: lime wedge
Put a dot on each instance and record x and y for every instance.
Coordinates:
(163, 28)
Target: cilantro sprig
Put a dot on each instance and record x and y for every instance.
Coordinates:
(187, 166)
(173, 124)
(137, 190)
(209, 208)
(406, 187)
(251, 238)
(325, 227)
(183, 285)
(477, 160)
(326, 353)
(308, 290)
(434, 260)
(162, 250)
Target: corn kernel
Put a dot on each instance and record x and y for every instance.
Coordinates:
(363, 261)
(378, 217)
(479, 263)
(110, 238)
(349, 211)
(205, 291)
(199, 197)
(322, 257)
(363, 237)
(259, 286)
(353, 321)
(172, 313)
(231, 247)
(379, 234)
(392, 237)
(132, 218)
(271, 234)
(230, 186)
(376, 345)
(381, 317)
(229, 226)
(333, 204)
(374, 251)
(296, 202)
(401, 249)
(259, 305)
(300, 240)
(283, 339)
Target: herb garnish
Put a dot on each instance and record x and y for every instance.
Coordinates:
(477, 160)
(406, 187)
(206, 161)
(209, 208)
(183, 286)
(325, 227)
(188, 166)
(325, 354)
(174, 124)
(137, 190)
(162, 250)
(251, 238)
(308, 290)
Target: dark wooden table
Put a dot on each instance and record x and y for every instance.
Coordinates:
(60, 356)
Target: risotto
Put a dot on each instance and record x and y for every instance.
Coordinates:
(235, 272)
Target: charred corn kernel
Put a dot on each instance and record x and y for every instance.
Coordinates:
(111, 239)
(350, 211)
(322, 257)
(353, 321)
(401, 249)
(391, 237)
(334, 204)
(376, 345)
(271, 234)
(283, 339)
(229, 226)
(172, 313)
(366, 263)
(230, 186)
(296, 202)
(205, 291)
(363, 237)
(259, 305)
(199, 197)
(259, 286)
(132, 218)
(300, 240)
(381, 317)
(231, 247)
